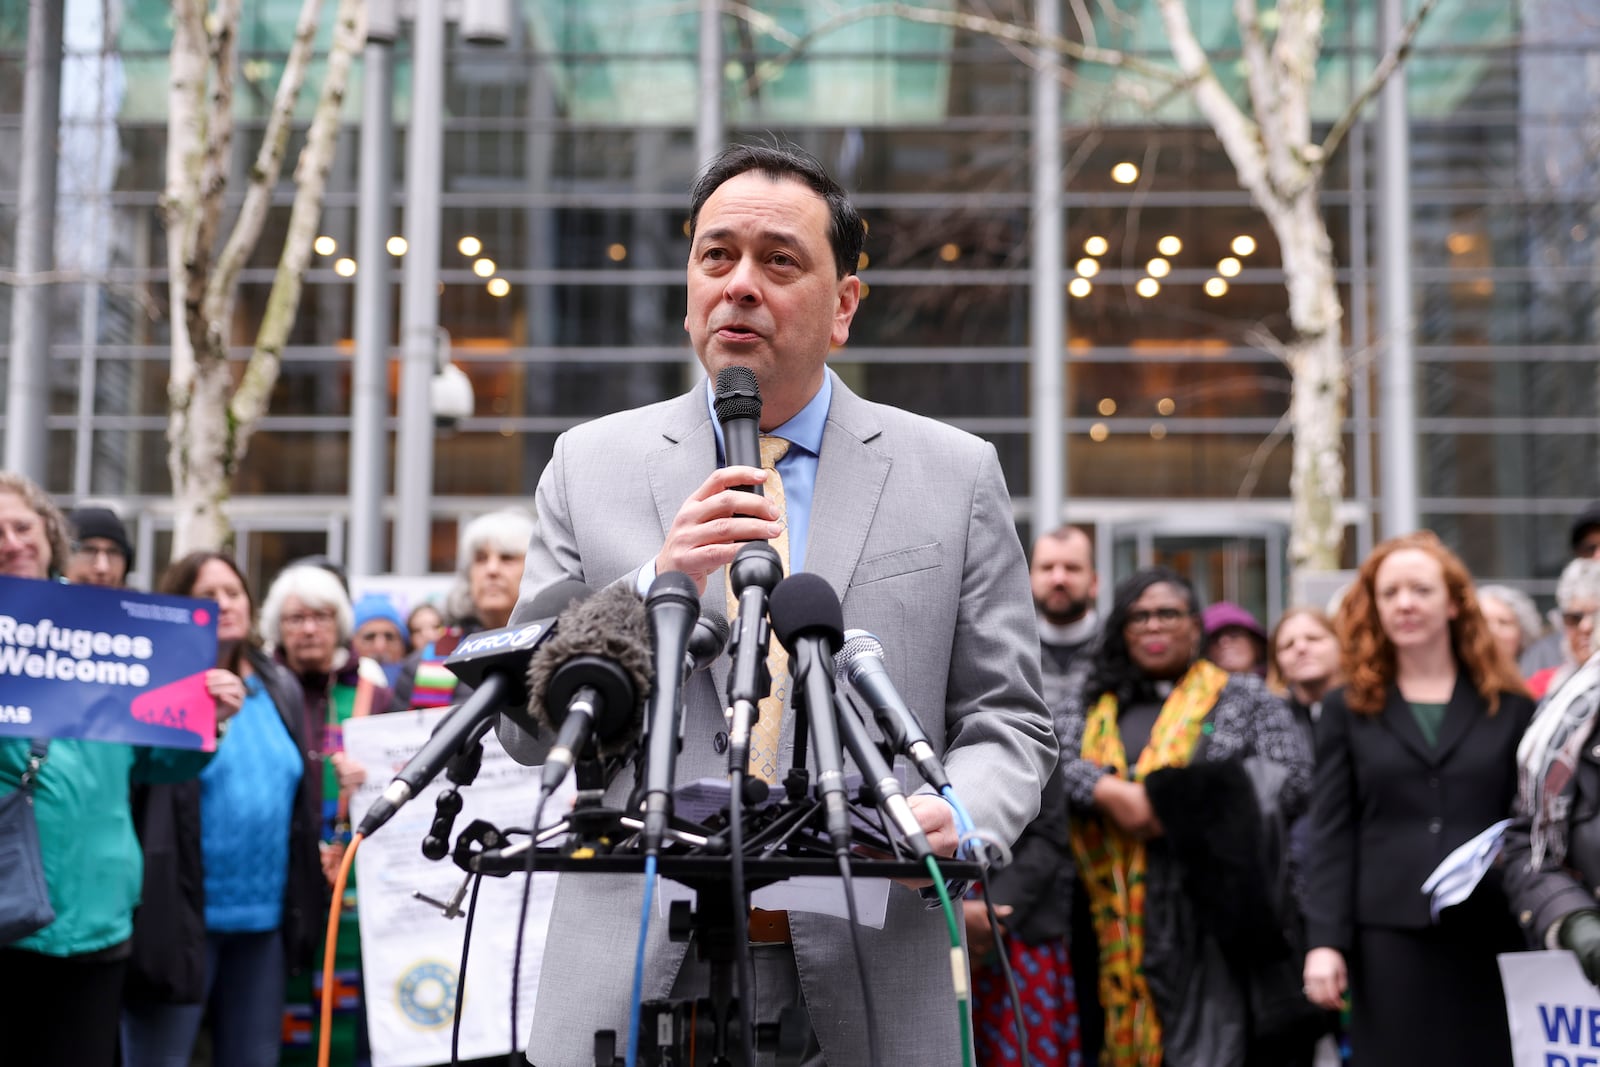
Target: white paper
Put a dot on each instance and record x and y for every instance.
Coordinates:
(1553, 1010)
(410, 953)
(1459, 874)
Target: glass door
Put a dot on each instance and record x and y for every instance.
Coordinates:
(1243, 563)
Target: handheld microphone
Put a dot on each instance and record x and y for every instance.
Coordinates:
(738, 408)
(807, 618)
(587, 681)
(710, 637)
(755, 571)
(495, 663)
(672, 608)
(861, 664)
(875, 769)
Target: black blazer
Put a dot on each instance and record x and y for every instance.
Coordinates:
(1386, 807)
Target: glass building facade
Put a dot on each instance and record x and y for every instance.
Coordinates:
(568, 150)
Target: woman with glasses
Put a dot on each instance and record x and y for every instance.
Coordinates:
(1416, 755)
(233, 891)
(61, 986)
(1177, 771)
(308, 623)
(1577, 598)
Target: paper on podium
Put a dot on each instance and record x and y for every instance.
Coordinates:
(700, 799)
(1454, 879)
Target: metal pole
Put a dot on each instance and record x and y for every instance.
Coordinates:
(1048, 447)
(28, 375)
(369, 400)
(709, 130)
(420, 291)
(1397, 406)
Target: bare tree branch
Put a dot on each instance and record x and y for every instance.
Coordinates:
(1375, 81)
(223, 282)
(1258, 460)
(249, 401)
(997, 29)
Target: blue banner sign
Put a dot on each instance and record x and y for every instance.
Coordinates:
(106, 665)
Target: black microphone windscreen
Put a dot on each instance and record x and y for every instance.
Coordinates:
(610, 625)
(738, 395)
(805, 604)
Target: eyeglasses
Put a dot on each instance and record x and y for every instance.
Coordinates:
(315, 618)
(1574, 619)
(1162, 617)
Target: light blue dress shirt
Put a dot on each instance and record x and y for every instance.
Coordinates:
(797, 468)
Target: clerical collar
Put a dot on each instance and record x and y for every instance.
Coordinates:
(1072, 633)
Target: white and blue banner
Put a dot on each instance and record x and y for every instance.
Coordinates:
(101, 664)
(1554, 1011)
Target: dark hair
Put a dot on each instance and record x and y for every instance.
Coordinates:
(181, 576)
(782, 162)
(1113, 670)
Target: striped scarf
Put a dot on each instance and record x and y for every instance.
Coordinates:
(1112, 864)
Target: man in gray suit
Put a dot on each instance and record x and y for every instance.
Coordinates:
(907, 519)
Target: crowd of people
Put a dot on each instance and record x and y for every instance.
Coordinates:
(193, 888)
(1221, 831)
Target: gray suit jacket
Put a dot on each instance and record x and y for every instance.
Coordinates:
(912, 525)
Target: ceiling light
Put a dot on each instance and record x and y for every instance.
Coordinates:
(1147, 287)
(1080, 287)
(1169, 245)
(499, 287)
(1229, 267)
(1216, 287)
(344, 267)
(1087, 267)
(1097, 245)
(1099, 432)
(483, 268)
(325, 245)
(397, 246)
(1124, 173)
(469, 246)
(1243, 245)
(1158, 268)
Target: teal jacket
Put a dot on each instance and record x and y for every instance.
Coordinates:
(93, 865)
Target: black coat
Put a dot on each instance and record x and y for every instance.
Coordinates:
(1387, 807)
(169, 926)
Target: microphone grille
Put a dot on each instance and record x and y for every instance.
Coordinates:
(802, 604)
(738, 395)
(611, 625)
(858, 645)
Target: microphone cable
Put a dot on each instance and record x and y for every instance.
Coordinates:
(461, 977)
(971, 839)
(959, 975)
(522, 917)
(331, 944)
(847, 879)
(636, 1010)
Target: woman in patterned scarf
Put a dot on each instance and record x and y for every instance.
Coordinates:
(1150, 704)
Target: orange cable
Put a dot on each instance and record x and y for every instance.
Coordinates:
(325, 1036)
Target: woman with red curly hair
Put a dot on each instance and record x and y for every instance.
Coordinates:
(1415, 755)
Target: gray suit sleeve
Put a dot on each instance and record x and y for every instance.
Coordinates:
(1001, 747)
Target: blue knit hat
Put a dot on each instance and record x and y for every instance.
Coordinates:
(378, 606)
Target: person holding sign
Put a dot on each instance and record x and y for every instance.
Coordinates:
(1551, 853)
(1415, 756)
(234, 894)
(61, 987)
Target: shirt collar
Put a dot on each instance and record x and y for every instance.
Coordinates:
(804, 430)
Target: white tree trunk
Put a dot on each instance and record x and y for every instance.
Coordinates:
(211, 420)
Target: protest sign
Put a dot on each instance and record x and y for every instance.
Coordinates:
(410, 953)
(100, 664)
(1554, 1010)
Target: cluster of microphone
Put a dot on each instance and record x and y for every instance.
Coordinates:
(605, 674)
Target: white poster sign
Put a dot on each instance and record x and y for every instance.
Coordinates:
(410, 953)
(1554, 1010)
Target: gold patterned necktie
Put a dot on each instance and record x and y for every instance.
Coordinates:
(766, 731)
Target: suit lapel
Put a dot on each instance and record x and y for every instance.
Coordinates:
(1399, 720)
(686, 453)
(850, 480)
(1464, 709)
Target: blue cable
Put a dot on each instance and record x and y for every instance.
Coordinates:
(963, 820)
(638, 963)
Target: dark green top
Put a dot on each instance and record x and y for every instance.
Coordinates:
(1429, 718)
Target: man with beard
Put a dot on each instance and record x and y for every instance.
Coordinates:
(1064, 589)
(1033, 896)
